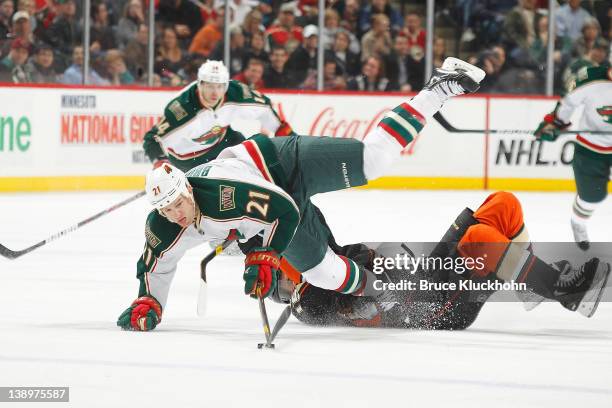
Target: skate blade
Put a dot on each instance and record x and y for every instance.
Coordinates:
(529, 299)
(591, 299)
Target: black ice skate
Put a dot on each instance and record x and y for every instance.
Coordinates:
(581, 288)
(455, 77)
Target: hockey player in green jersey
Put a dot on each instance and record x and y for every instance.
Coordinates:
(592, 91)
(195, 126)
(263, 187)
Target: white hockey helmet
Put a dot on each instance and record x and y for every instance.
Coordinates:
(164, 185)
(215, 72)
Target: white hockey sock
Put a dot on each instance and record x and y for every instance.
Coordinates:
(427, 102)
(582, 210)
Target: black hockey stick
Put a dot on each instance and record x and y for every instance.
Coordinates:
(450, 128)
(264, 320)
(7, 253)
(202, 297)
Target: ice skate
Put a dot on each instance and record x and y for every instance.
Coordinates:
(455, 77)
(580, 235)
(581, 288)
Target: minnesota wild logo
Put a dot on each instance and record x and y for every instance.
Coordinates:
(606, 113)
(211, 137)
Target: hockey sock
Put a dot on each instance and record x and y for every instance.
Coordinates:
(582, 210)
(539, 276)
(427, 102)
(354, 279)
(403, 123)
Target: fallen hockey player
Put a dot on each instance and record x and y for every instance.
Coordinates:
(496, 229)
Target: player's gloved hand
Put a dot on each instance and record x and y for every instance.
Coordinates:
(261, 269)
(159, 161)
(143, 315)
(550, 128)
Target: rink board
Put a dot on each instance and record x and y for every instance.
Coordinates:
(90, 138)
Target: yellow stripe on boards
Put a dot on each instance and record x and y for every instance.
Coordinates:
(71, 183)
(86, 183)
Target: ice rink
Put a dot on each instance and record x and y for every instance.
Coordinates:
(59, 305)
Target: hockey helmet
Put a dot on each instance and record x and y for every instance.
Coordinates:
(164, 185)
(215, 72)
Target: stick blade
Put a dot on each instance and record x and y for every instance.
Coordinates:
(7, 253)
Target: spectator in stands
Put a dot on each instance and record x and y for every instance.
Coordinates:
(136, 52)
(304, 58)
(237, 51)
(12, 67)
(570, 18)
(130, 22)
(206, 39)
(332, 26)
(170, 57)
(240, 9)
(349, 16)
(404, 72)
(439, 52)
(189, 71)
(371, 79)
(415, 34)
(276, 75)
(183, 15)
(285, 32)
(29, 6)
(377, 42)
(40, 65)
(333, 80)
(591, 30)
(7, 7)
(378, 7)
(519, 29)
(62, 34)
(74, 74)
(116, 68)
(347, 62)
(102, 35)
(252, 75)
(256, 48)
(493, 62)
(251, 25)
(539, 48)
(22, 28)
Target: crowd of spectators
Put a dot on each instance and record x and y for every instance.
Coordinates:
(369, 45)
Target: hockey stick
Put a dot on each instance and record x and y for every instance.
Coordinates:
(7, 253)
(264, 320)
(202, 296)
(282, 319)
(450, 128)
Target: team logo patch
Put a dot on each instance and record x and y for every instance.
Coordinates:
(211, 137)
(226, 198)
(177, 110)
(606, 113)
(152, 239)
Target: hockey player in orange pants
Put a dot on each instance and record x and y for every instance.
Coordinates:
(495, 233)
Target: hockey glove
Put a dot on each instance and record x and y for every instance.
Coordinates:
(550, 128)
(143, 315)
(261, 269)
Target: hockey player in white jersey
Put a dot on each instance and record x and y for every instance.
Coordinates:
(196, 125)
(263, 186)
(592, 90)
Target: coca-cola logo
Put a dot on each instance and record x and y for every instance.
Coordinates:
(329, 123)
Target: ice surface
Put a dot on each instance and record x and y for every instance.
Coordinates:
(59, 304)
